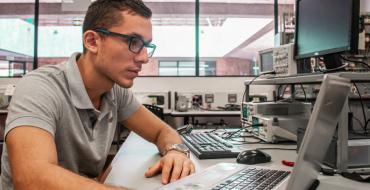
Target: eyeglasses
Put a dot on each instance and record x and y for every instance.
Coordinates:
(135, 43)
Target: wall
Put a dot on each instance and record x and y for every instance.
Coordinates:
(189, 84)
(220, 86)
(6, 81)
(185, 84)
(364, 6)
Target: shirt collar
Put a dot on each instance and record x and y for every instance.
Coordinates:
(79, 96)
(77, 89)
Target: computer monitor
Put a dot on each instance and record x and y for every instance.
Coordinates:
(265, 60)
(326, 28)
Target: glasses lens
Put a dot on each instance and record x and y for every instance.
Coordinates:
(136, 44)
(150, 51)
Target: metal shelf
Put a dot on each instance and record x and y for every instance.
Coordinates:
(310, 78)
(355, 77)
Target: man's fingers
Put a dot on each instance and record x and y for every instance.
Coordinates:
(185, 169)
(156, 168)
(176, 171)
(192, 169)
(166, 170)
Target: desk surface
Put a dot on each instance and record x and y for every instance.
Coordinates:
(187, 113)
(137, 155)
(205, 113)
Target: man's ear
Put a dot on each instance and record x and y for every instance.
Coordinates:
(91, 39)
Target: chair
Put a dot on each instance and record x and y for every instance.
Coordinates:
(158, 111)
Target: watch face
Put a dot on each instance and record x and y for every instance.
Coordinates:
(182, 147)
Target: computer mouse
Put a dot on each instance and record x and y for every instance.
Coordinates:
(253, 157)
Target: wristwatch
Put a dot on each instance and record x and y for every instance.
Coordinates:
(178, 147)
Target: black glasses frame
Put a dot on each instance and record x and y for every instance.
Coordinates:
(130, 38)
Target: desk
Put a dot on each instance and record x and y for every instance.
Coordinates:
(167, 111)
(204, 113)
(136, 155)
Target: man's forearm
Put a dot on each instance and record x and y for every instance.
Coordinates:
(166, 137)
(50, 176)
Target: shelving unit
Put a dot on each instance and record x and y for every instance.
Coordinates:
(342, 142)
(287, 28)
(367, 33)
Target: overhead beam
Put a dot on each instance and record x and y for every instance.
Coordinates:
(254, 37)
(168, 8)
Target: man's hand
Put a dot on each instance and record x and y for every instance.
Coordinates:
(174, 165)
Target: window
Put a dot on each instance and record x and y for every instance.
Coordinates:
(16, 37)
(60, 31)
(207, 68)
(174, 35)
(168, 68)
(176, 68)
(230, 33)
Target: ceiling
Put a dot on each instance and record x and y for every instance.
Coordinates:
(207, 1)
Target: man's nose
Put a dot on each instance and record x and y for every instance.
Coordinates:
(142, 56)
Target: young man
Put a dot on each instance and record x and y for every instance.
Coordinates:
(62, 118)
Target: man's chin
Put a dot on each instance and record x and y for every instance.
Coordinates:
(126, 83)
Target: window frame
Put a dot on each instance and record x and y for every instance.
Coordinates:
(197, 60)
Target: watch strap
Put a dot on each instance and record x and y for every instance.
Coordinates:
(176, 148)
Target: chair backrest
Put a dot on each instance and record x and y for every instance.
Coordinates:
(158, 111)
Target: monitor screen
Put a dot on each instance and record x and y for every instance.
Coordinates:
(325, 27)
(266, 61)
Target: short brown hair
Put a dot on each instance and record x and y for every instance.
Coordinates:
(107, 13)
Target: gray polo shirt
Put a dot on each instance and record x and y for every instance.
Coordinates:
(53, 98)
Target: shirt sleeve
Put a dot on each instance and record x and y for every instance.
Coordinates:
(127, 104)
(34, 103)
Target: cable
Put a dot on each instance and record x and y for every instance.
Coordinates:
(282, 94)
(367, 122)
(247, 136)
(278, 92)
(245, 142)
(245, 91)
(215, 130)
(360, 177)
(359, 133)
(304, 92)
(359, 122)
(273, 148)
(335, 69)
(250, 82)
(362, 125)
(231, 134)
(363, 108)
(355, 61)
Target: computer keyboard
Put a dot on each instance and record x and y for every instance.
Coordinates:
(209, 146)
(253, 178)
